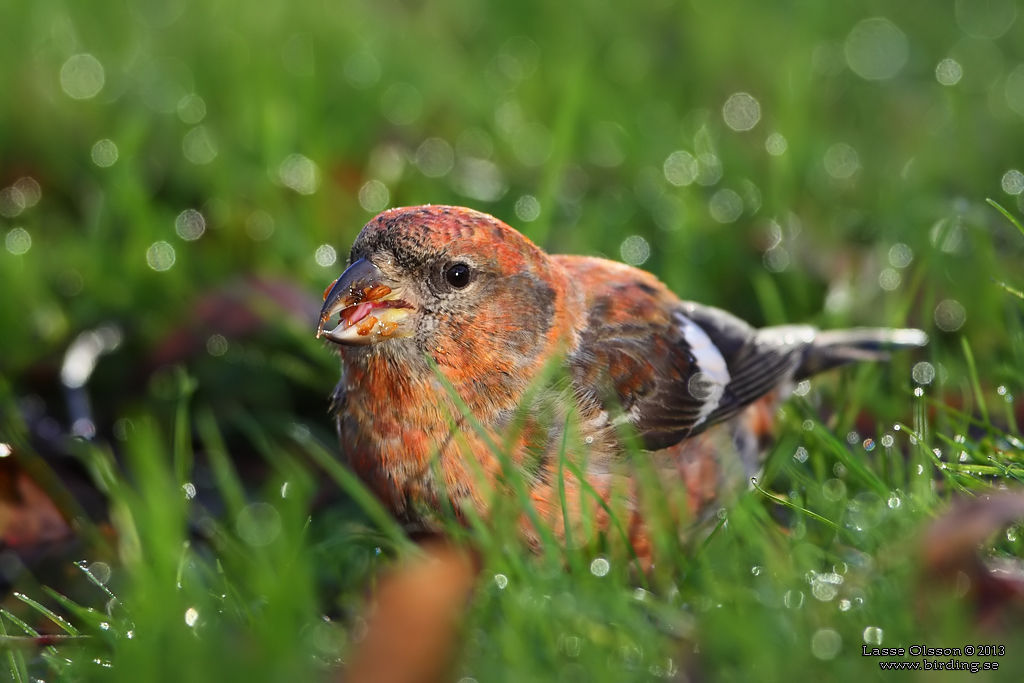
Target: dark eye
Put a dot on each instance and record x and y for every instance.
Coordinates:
(457, 275)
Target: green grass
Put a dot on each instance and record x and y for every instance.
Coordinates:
(576, 105)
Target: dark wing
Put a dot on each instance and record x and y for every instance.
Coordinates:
(672, 368)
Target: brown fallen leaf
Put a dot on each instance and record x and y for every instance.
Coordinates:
(28, 516)
(413, 626)
(950, 553)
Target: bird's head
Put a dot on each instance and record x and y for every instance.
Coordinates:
(446, 281)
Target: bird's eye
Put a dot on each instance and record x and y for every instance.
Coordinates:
(457, 275)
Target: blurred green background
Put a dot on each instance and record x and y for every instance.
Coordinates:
(187, 177)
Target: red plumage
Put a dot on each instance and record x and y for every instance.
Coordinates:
(448, 292)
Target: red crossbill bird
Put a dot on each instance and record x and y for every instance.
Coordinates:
(440, 302)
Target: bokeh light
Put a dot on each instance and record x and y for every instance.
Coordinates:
(190, 225)
(259, 225)
(900, 255)
(199, 145)
(12, 202)
(527, 208)
(1013, 182)
(326, 255)
(776, 144)
(948, 72)
(82, 77)
(479, 179)
(889, 279)
(30, 191)
(374, 196)
(826, 643)
(635, 250)
(300, 174)
(532, 144)
(950, 315)
(402, 104)
(726, 206)
(104, 153)
(680, 168)
(18, 241)
(1014, 90)
(876, 49)
(923, 372)
(435, 158)
(160, 256)
(841, 161)
(741, 112)
(191, 109)
(986, 18)
(362, 70)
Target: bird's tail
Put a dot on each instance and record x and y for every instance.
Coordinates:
(832, 348)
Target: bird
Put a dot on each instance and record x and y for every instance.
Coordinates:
(473, 362)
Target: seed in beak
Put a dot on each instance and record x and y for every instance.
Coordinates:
(376, 292)
(366, 326)
(329, 288)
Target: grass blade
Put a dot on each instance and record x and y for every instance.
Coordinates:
(48, 613)
(1006, 213)
(975, 381)
(350, 483)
